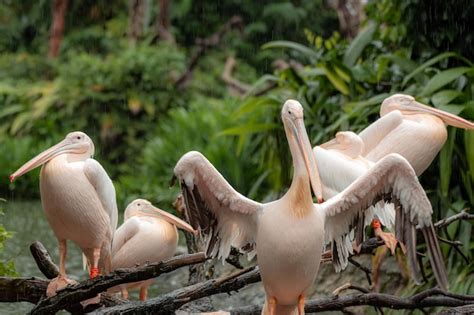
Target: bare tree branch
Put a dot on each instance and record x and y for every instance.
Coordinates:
(463, 215)
(235, 85)
(168, 303)
(22, 289)
(205, 44)
(90, 288)
(429, 298)
(43, 260)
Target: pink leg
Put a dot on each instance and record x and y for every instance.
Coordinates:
(94, 272)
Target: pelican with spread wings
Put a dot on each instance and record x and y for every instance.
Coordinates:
(289, 234)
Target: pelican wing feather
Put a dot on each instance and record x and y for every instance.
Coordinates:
(105, 190)
(390, 178)
(214, 208)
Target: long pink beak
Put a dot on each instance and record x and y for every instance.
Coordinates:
(42, 158)
(448, 118)
(171, 219)
(311, 167)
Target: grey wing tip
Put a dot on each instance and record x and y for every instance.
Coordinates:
(436, 257)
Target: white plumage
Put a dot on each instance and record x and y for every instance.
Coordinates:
(78, 198)
(289, 233)
(148, 235)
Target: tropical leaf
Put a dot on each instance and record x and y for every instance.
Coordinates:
(358, 44)
(469, 146)
(11, 110)
(336, 81)
(445, 158)
(247, 129)
(427, 64)
(445, 97)
(309, 53)
(442, 78)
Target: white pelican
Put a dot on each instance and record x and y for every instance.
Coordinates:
(415, 131)
(409, 128)
(345, 152)
(147, 235)
(289, 233)
(78, 199)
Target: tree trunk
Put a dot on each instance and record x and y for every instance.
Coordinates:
(350, 13)
(57, 27)
(137, 18)
(163, 23)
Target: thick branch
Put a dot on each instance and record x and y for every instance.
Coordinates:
(428, 298)
(43, 260)
(239, 87)
(90, 288)
(168, 303)
(22, 289)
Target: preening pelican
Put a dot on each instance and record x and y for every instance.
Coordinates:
(147, 235)
(78, 199)
(415, 131)
(288, 234)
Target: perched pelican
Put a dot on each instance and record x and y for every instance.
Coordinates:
(147, 235)
(289, 234)
(415, 131)
(78, 199)
(345, 151)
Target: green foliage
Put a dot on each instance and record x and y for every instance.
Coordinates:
(7, 267)
(116, 99)
(427, 27)
(341, 86)
(183, 130)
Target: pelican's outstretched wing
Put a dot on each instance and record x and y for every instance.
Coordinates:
(391, 176)
(214, 207)
(105, 190)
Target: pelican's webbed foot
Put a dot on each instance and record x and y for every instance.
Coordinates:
(388, 238)
(58, 283)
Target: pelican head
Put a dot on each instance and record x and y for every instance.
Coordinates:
(75, 142)
(409, 106)
(144, 208)
(293, 120)
(346, 141)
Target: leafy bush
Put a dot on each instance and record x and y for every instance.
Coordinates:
(341, 86)
(195, 128)
(116, 99)
(7, 267)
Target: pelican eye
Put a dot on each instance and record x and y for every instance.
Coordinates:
(78, 137)
(138, 204)
(289, 112)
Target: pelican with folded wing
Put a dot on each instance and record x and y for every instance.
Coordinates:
(415, 131)
(147, 235)
(78, 199)
(289, 234)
